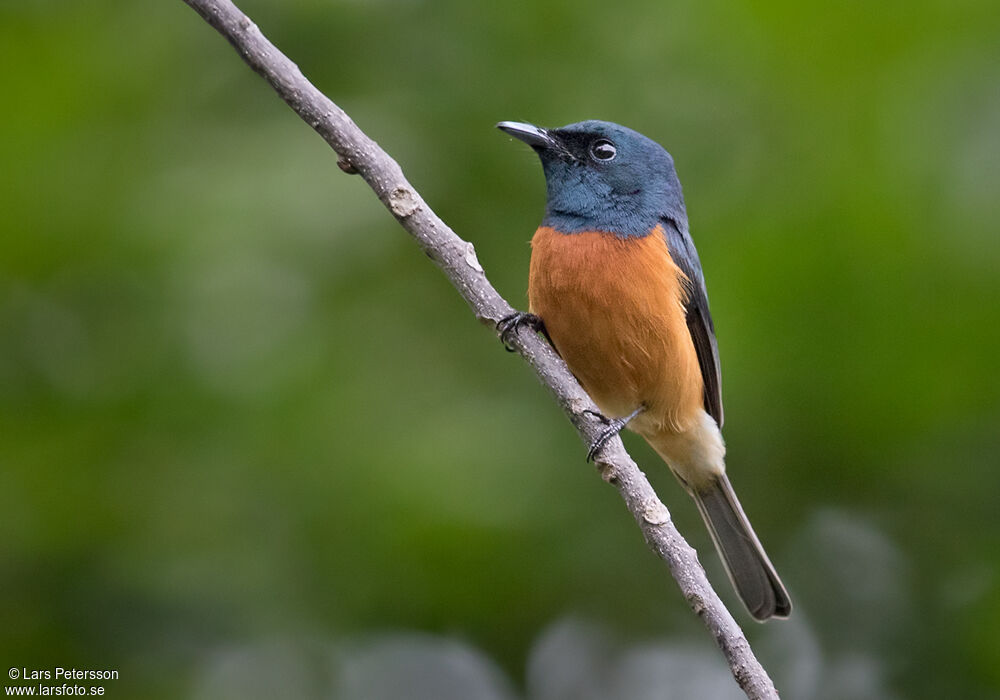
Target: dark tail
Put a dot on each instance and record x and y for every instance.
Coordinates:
(751, 572)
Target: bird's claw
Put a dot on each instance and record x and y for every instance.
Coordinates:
(614, 426)
(509, 325)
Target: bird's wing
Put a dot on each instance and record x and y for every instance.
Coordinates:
(699, 320)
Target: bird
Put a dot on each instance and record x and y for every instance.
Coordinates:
(616, 285)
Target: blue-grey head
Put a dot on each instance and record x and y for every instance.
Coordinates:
(602, 176)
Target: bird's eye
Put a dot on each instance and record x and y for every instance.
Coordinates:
(602, 149)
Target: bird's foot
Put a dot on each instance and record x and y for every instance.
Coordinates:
(614, 426)
(509, 325)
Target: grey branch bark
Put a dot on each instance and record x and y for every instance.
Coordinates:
(457, 259)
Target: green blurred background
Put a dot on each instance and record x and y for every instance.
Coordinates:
(252, 444)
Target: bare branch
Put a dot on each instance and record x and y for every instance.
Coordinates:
(457, 259)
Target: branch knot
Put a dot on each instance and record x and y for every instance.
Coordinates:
(403, 202)
(655, 513)
(342, 162)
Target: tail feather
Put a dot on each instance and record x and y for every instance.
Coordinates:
(749, 569)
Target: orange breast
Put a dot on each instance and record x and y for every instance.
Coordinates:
(613, 308)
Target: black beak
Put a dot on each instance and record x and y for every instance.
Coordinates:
(534, 136)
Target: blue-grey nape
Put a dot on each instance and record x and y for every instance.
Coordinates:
(603, 176)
